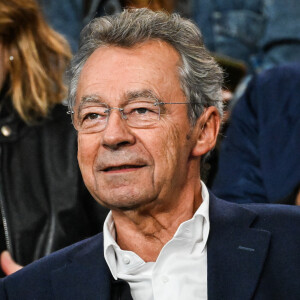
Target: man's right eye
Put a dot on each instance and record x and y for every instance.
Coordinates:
(91, 116)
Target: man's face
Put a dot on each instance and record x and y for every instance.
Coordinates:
(125, 167)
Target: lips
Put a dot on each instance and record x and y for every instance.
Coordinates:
(122, 167)
(120, 161)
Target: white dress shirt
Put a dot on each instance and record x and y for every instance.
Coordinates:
(180, 271)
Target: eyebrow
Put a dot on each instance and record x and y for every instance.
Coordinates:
(149, 94)
(89, 99)
(129, 96)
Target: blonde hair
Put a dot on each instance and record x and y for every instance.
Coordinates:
(40, 56)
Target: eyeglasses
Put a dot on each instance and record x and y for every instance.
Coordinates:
(138, 114)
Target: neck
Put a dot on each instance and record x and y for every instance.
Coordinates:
(145, 231)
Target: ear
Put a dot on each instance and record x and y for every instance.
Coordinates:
(207, 130)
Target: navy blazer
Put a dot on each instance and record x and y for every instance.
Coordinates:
(253, 253)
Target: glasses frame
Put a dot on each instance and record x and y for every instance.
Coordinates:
(123, 115)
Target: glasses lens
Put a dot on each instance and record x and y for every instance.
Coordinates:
(139, 114)
(142, 113)
(91, 118)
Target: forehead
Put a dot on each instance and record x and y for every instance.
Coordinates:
(111, 72)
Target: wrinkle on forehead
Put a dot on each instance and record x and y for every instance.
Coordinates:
(146, 51)
(127, 97)
(119, 74)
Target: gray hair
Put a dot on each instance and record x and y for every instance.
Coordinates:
(201, 78)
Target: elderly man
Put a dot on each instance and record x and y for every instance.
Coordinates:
(145, 98)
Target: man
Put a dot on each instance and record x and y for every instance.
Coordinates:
(145, 98)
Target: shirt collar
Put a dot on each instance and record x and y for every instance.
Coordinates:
(199, 223)
(109, 239)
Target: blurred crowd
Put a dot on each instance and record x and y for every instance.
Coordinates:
(257, 159)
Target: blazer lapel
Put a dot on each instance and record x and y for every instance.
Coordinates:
(235, 252)
(85, 276)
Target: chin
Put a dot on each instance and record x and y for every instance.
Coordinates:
(125, 201)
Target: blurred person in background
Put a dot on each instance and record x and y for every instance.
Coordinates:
(261, 33)
(252, 35)
(68, 17)
(259, 157)
(37, 142)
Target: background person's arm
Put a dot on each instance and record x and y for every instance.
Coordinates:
(8, 265)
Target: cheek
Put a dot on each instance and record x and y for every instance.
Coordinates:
(172, 148)
(88, 147)
(166, 153)
(177, 149)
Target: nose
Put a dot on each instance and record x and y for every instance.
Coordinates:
(117, 134)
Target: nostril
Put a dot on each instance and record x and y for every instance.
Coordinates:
(117, 145)
(124, 143)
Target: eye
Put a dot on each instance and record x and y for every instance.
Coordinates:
(91, 116)
(141, 110)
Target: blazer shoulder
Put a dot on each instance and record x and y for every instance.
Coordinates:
(34, 280)
(277, 218)
(275, 211)
(266, 216)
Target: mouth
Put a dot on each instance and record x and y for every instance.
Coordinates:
(122, 168)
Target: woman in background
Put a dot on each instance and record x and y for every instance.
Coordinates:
(44, 204)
